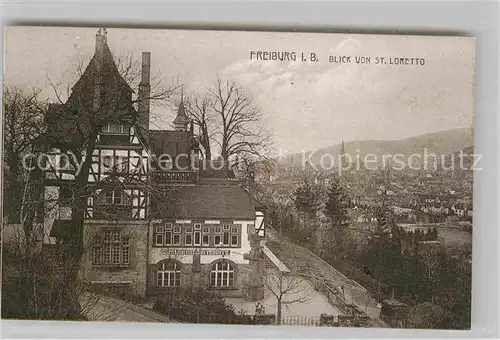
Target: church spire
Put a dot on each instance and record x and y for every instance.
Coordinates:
(181, 121)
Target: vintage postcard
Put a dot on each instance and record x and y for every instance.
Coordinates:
(237, 177)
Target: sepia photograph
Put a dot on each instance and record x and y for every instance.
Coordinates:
(238, 177)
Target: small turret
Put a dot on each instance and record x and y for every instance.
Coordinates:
(181, 121)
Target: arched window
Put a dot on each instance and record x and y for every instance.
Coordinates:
(222, 274)
(169, 274)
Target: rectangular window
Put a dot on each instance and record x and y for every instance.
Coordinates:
(107, 236)
(197, 238)
(177, 229)
(225, 238)
(189, 239)
(217, 230)
(108, 197)
(97, 255)
(122, 198)
(121, 164)
(189, 229)
(206, 229)
(113, 250)
(177, 239)
(234, 230)
(234, 240)
(206, 240)
(197, 226)
(161, 237)
(119, 198)
(225, 226)
(116, 197)
(106, 258)
(217, 240)
(159, 240)
(125, 255)
(107, 163)
(168, 226)
(115, 253)
(115, 128)
(168, 238)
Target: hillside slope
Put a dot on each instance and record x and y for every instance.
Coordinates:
(440, 143)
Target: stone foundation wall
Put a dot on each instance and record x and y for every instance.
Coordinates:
(201, 279)
(130, 278)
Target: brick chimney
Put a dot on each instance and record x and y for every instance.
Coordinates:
(144, 93)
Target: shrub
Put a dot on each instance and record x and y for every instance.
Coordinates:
(34, 293)
(199, 306)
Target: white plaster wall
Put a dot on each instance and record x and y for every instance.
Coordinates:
(236, 254)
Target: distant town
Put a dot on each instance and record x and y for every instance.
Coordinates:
(108, 217)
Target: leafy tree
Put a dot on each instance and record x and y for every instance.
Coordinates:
(307, 199)
(337, 204)
(382, 256)
(336, 209)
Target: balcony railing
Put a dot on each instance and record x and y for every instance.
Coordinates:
(175, 176)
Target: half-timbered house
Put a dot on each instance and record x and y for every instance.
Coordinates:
(158, 216)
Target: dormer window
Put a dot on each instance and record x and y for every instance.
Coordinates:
(115, 128)
(116, 197)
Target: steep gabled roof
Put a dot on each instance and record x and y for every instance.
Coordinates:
(71, 122)
(203, 202)
(169, 142)
(109, 73)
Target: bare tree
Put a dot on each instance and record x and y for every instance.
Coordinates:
(199, 110)
(24, 124)
(24, 128)
(287, 287)
(240, 134)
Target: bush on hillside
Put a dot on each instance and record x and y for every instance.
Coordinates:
(199, 306)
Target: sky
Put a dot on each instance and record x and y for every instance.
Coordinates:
(305, 105)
